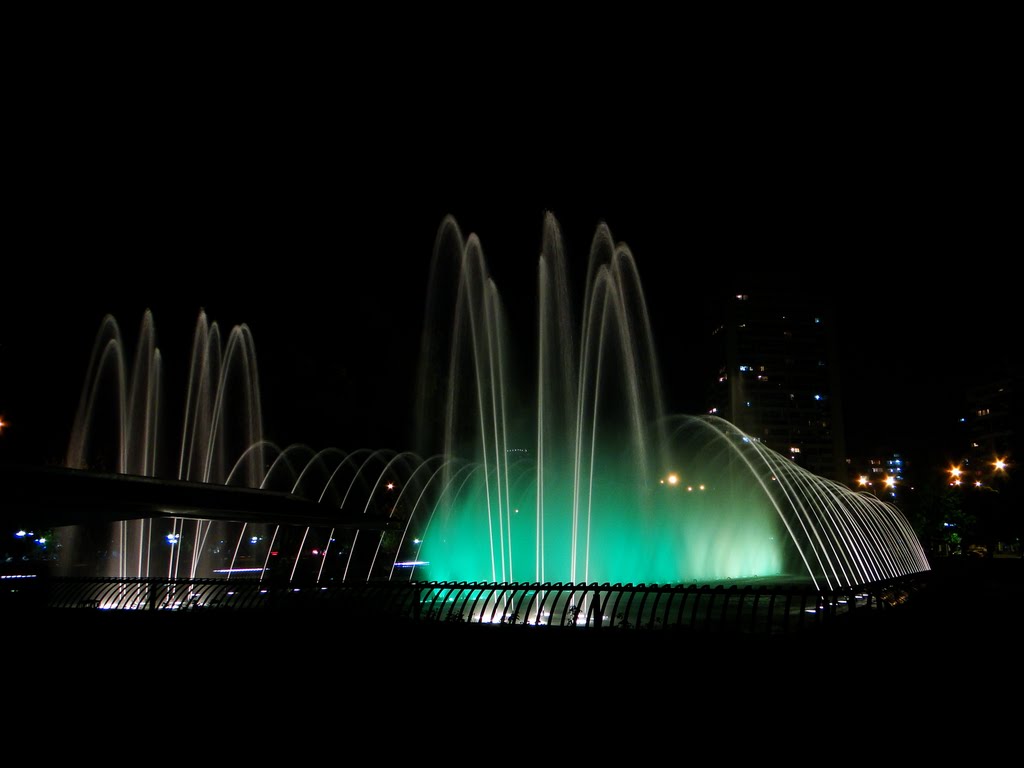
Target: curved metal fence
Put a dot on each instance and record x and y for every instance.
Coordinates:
(753, 609)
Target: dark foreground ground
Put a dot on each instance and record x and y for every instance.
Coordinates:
(955, 653)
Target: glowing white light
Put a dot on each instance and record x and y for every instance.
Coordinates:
(890, 482)
(254, 540)
(41, 541)
(172, 538)
(862, 480)
(817, 397)
(237, 570)
(20, 534)
(999, 464)
(702, 487)
(673, 479)
(412, 563)
(417, 541)
(390, 486)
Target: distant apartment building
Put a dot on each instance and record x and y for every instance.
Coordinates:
(778, 376)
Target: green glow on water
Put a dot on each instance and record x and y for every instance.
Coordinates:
(638, 533)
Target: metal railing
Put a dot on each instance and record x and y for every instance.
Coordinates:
(750, 609)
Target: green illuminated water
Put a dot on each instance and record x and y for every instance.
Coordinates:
(568, 480)
(658, 533)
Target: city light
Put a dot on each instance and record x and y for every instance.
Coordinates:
(890, 482)
(862, 480)
(2, 423)
(955, 471)
(977, 483)
(390, 486)
(1000, 465)
(673, 479)
(173, 538)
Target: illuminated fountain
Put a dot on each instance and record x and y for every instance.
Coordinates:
(578, 477)
(595, 483)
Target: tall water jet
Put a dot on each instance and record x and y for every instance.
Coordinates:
(119, 428)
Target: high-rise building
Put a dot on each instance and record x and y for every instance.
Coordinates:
(990, 465)
(778, 376)
(994, 418)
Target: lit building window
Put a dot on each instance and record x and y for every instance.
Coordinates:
(984, 411)
(741, 297)
(794, 449)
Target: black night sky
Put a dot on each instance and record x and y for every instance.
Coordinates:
(322, 244)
